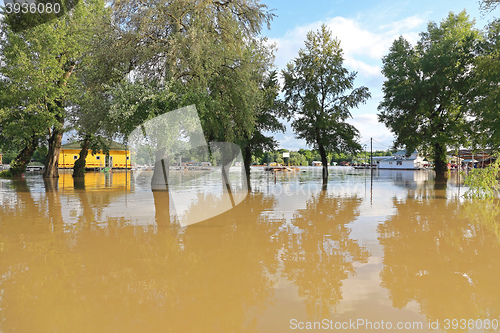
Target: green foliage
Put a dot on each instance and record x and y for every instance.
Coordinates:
(5, 174)
(22, 21)
(298, 159)
(39, 69)
(266, 120)
(40, 154)
(137, 102)
(315, 92)
(210, 49)
(483, 183)
(427, 87)
(9, 155)
(304, 157)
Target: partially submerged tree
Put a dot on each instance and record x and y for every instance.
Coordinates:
(317, 92)
(39, 66)
(267, 120)
(212, 54)
(428, 88)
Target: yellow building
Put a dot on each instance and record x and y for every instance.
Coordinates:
(118, 157)
(1, 158)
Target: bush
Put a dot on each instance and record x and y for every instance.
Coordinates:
(483, 183)
(5, 174)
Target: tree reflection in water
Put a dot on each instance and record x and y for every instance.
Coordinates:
(318, 253)
(445, 255)
(204, 278)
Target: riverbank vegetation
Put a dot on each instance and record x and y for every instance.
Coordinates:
(483, 183)
(102, 70)
(305, 157)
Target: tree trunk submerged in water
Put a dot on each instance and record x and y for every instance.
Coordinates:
(18, 166)
(440, 165)
(324, 162)
(247, 161)
(79, 167)
(51, 165)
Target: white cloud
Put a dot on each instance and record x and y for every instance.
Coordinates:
(362, 68)
(369, 127)
(363, 47)
(406, 24)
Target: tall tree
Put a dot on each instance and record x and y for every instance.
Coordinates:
(213, 53)
(267, 120)
(315, 91)
(428, 88)
(39, 66)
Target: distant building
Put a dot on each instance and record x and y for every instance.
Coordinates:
(316, 163)
(400, 161)
(118, 157)
(1, 158)
(473, 158)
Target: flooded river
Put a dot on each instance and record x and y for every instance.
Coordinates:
(370, 254)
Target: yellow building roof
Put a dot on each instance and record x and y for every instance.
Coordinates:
(78, 145)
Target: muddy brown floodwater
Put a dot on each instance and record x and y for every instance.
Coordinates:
(370, 254)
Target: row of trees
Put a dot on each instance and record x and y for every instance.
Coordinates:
(305, 157)
(101, 71)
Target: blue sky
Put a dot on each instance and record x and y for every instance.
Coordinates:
(366, 30)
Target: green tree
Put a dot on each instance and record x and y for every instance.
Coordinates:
(39, 67)
(315, 86)
(266, 120)
(297, 159)
(213, 53)
(427, 88)
(89, 114)
(211, 48)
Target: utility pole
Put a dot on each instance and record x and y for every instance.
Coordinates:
(371, 153)
(371, 171)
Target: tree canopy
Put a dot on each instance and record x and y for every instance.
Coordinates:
(429, 87)
(38, 73)
(317, 92)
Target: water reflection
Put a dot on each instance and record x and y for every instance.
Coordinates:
(444, 255)
(318, 253)
(205, 278)
(106, 255)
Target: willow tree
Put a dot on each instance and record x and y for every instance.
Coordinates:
(428, 88)
(211, 50)
(39, 66)
(317, 92)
